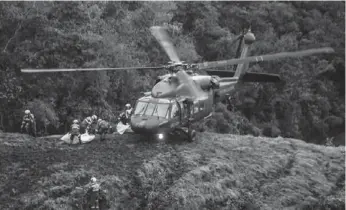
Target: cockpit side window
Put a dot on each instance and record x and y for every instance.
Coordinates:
(140, 108)
(161, 110)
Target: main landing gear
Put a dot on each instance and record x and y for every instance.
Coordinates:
(186, 132)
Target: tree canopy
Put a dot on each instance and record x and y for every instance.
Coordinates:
(309, 105)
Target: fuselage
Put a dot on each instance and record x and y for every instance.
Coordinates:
(163, 109)
(162, 115)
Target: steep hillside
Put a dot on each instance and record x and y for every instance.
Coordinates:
(216, 172)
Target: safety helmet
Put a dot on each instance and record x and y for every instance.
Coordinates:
(93, 179)
(75, 121)
(99, 120)
(27, 111)
(128, 105)
(94, 117)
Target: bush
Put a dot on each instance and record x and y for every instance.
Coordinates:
(224, 121)
(271, 131)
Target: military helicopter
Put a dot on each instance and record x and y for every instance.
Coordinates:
(184, 96)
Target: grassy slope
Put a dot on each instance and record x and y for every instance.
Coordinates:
(216, 172)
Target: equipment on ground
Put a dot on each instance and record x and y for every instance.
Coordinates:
(85, 138)
(185, 95)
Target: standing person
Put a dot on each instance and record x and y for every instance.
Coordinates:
(94, 189)
(28, 123)
(128, 112)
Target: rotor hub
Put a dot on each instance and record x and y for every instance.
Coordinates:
(249, 37)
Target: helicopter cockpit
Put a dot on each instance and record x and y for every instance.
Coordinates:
(151, 108)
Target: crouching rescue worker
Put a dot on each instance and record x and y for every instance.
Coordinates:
(122, 118)
(102, 128)
(75, 131)
(89, 124)
(28, 123)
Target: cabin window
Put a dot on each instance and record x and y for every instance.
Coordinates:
(161, 110)
(195, 108)
(175, 111)
(140, 108)
(185, 110)
(201, 105)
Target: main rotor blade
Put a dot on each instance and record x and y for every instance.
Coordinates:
(163, 38)
(86, 69)
(268, 57)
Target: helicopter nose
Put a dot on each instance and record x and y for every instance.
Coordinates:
(145, 125)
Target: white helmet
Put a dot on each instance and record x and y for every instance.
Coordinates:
(128, 105)
(27, 111)
(75, 121)
(94, 117)
(99, 120)
(93, 179)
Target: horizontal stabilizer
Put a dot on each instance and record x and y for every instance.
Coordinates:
(248, 76)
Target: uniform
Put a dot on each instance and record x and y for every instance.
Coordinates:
(75, 131)
(128, 113)
(95, 189)
(88, 124)
(102, 128)
(30, 120)
(122, 118)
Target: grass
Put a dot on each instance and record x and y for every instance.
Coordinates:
(215, 172)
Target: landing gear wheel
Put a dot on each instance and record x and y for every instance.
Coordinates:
(191, 135)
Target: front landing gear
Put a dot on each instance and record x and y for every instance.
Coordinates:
(187, 133)
(191, 136)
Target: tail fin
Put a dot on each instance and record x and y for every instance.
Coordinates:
(248, 39)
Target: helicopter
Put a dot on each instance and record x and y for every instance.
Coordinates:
(185, 96)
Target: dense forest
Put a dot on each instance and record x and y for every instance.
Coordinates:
(308, 105)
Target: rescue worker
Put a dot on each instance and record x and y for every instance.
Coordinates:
(89, 122)
(102, 128)
(29, 120)
(122, 118)
(95, 189)
(128, 112)
(75, 131)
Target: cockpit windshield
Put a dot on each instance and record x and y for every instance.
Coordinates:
(140, 108)
(152, 109)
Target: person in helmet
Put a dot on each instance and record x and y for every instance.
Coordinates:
(89, 123)
(122, 118)
(128, 112)
(28, 123)
(75, 131)
(94, 189)
(102, 128)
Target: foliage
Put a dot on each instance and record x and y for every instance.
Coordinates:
(310, 92)
(116, 34)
